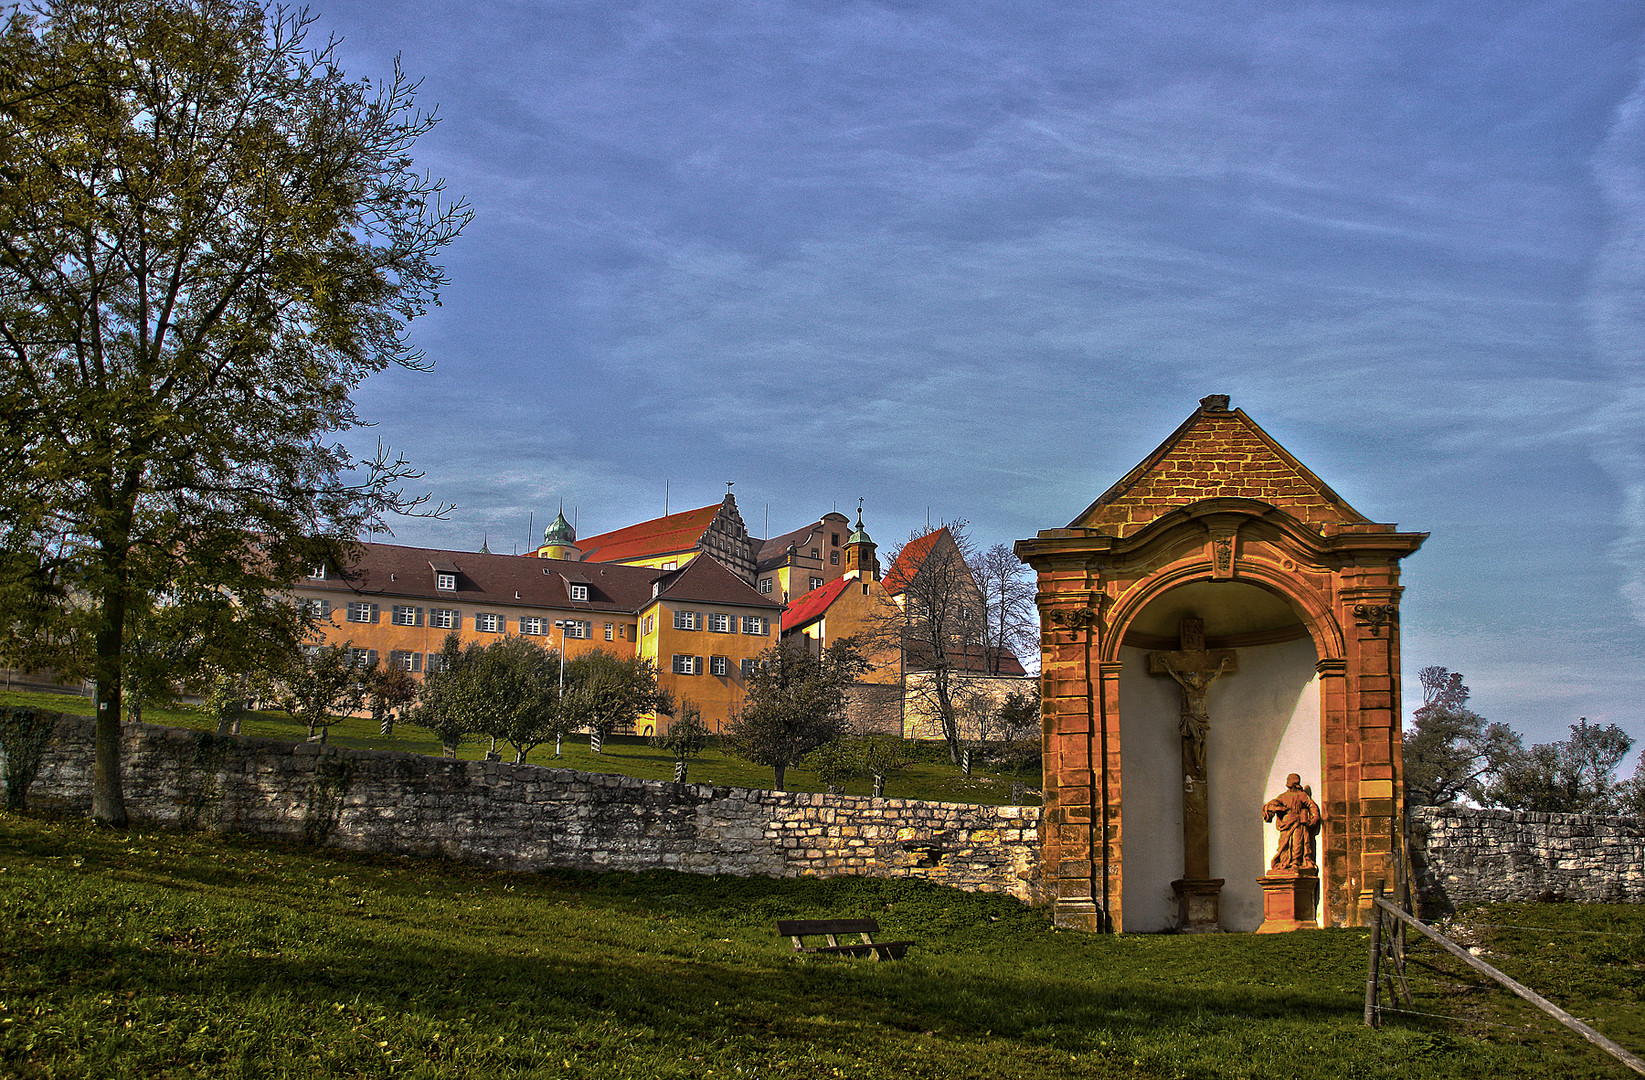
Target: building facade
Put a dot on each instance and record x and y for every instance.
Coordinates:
(701, 625)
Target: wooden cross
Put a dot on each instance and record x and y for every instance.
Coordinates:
(1194, 668)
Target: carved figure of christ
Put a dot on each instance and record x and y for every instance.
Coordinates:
(1194, 668)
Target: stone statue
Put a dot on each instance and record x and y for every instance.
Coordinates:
(1296, 815)
(1195, 721)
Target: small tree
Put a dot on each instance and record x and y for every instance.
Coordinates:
(607, 692)
(321, 683)
(883, 755)
(795, 703)
(1450, 750)
(516, 686)
(1018, 721)
(1572, 776)
(390, 691)
(836, 762)
(446, 705)
(224, 700)
(685, 738)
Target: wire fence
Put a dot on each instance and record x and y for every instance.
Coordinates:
(1407, 953)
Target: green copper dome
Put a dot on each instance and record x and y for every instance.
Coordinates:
(860, 536)
(560, 532)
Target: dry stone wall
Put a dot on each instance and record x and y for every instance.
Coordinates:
(526, 817)
(1463, 855)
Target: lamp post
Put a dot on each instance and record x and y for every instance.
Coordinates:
(561, 624)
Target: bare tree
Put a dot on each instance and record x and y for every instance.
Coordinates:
(1010, 624)
(935, 612)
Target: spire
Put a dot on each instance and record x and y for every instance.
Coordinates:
(560, 531)
(860, 558)
(560, 539)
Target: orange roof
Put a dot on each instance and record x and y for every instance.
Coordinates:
(810, 607)
(909, 560)
(675, 534)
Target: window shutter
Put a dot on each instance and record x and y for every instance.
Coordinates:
(697, 669)
(416, 661)
(371, 654)
(419, 617)
(325, 609)
(374, 612)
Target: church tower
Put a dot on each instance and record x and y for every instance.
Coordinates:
(860, 558)
(560, 541)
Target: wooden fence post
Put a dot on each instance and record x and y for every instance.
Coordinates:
(1372, 966)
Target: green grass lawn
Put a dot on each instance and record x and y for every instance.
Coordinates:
(164, 955)
(936, 780)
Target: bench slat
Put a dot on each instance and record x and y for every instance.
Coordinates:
(797, 930)
(790, 927)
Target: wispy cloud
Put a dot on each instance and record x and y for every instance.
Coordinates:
(1618, 319)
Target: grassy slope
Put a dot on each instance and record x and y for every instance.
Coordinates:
(161, 955)
(936, 780)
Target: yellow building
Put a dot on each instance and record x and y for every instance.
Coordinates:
(700, 624)
(808, 558)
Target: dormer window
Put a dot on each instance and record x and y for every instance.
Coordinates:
(445, 582)
(579, 592)
(317, 572)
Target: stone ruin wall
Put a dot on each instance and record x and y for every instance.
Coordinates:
(1463, 855)
(528, 817)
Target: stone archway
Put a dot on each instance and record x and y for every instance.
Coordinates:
(1222, 524)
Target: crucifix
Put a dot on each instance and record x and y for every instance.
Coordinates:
(1195, 668)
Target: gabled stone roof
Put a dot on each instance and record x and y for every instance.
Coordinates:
(1217, 452)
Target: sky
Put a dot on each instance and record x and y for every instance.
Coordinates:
(974, 260)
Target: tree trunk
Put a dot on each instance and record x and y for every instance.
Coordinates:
(108, 798)
(450, 748)
(781, 771)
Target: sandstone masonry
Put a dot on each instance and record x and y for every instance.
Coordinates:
(527, 817)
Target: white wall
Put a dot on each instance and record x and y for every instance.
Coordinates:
(1264, 724)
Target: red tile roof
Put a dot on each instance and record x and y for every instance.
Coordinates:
(910, 559)
(811, 606)
(675, 534)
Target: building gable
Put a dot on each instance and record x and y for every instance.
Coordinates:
(1216, 453)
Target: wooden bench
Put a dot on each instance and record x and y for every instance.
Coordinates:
(797, 930)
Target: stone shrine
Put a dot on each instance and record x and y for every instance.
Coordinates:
(1218, 620)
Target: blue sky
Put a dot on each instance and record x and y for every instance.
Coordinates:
(975, 260)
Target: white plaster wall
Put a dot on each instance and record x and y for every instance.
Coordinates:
(1264, 724)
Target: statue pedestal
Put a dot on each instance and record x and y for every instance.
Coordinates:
(1197, 903)
(1288, 899)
